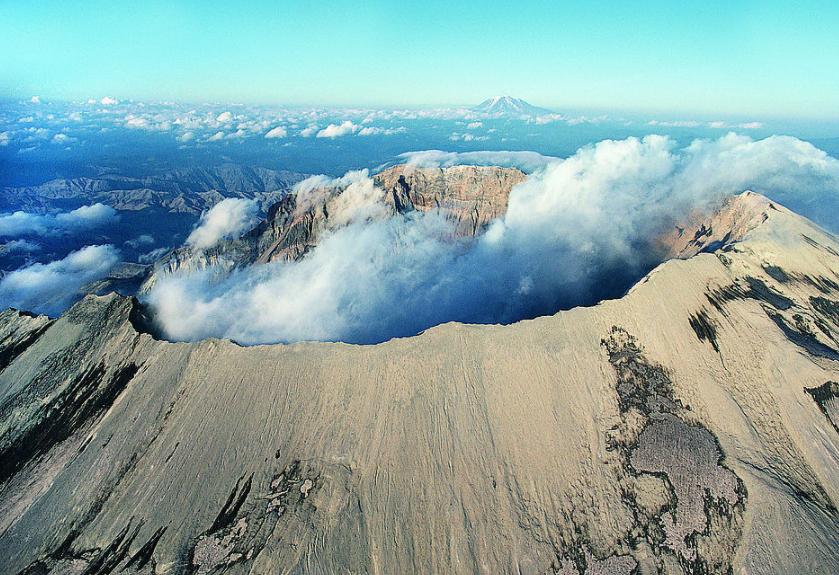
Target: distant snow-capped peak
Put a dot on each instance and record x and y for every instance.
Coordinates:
(508, 106)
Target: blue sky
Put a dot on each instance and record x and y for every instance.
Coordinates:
(757, 58)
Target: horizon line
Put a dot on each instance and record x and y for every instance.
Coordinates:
(651, 111)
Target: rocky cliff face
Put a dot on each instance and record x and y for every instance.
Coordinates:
(689, 427)
(469, 196)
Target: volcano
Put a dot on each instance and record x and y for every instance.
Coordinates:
(691, 426)
(509, 106)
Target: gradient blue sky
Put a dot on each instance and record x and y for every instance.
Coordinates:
(765, 58)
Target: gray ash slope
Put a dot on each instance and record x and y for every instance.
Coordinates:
(688, 427)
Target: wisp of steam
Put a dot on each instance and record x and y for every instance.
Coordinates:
(576, 231)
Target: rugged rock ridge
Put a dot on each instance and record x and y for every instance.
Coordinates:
(469, 196)
(701, 232)
(688, 427)
(183, 191)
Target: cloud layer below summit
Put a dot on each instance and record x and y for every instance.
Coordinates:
(26, 223)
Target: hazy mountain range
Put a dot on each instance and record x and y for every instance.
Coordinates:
(190, 191)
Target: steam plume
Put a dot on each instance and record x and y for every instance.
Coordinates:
(576, 231)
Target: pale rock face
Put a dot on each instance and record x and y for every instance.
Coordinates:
(688, 427)
(469, 196)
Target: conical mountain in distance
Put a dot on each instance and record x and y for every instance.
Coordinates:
(509, 106)
(691, 426)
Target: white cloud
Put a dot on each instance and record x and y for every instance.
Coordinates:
(278, 132)
(549, 118)
(141, 240)
(38, 134)
(336, 131)
(189, 123)
(35, 100)
(375, 131)
(308, 132)
(51, 288)
(474, 125)
(316, 190)
(583, 120)
(62, 139)
(153, 256)
(224, 117)
(788, 170)
(136, 122)
(750, 126)
(87, 216)
(227, 219)
(186, 136)
(525, 161)
(216, 137)
(360, 201)
(466, 137)
(26, 223)
(675, 123)
(108, 101)
(575, 232)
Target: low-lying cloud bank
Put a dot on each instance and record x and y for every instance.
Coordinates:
(27, 223)
(51, 288)
(576, 231)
